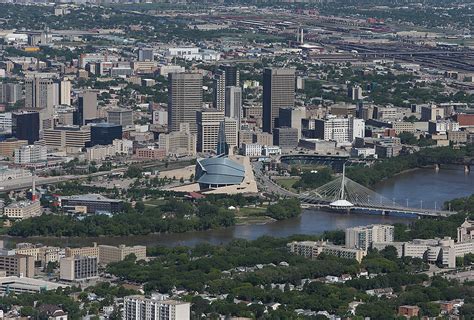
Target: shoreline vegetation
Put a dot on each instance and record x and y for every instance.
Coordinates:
(421, 229)
(383, 170)
(214, 212)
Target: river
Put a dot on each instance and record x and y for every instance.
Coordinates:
(427, 185)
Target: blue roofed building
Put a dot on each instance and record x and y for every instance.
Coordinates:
(218, 172)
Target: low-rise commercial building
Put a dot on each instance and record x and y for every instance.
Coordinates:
(93, 203)
(22, 209)
(18, 285)
(7, 173)
(457, 136)
(150, 153)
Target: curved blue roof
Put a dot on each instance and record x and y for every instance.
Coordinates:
(220, 171)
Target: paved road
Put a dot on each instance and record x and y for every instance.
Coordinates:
(268, 185)
(24, 183)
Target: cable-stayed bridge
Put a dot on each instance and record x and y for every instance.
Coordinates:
(344, 194)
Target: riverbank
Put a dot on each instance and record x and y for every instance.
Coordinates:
(312, 222)
(427, 185)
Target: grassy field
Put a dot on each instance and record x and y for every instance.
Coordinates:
(154, 202)
(252, 216)
(287, 183)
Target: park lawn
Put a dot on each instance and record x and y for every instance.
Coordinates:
(287, 183)
(154, 202)
(248, 215)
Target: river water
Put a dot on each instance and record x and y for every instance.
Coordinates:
(422, 187)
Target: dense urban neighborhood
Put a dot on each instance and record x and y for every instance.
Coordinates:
(236, 159)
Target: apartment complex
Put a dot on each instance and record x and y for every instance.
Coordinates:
(141, 308)
(341, 130)
(443, 251)
(30, 154)
(363, 237)
(312, 249)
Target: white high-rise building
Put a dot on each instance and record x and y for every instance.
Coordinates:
(355, 93)
(155, 308)
(10, 92)
(233, 103)
(208, 123)
(341, 130)
(231, 127)
(30, 153)
(6, 122)
(219, 90)
(65, 92)
(363, 237)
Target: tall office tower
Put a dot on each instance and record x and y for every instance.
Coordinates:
(184, 99)
(87, 107)
(231, 129)
(228, 136)
(232, 75)
(222, 147)
(208, 124)
(145, 54)
(65, 92)
(233, 103)
(219, 90)
(291, 118)
(355, 92)
(26, 126)
(39, 93)
(278, 92)
(10, 92)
